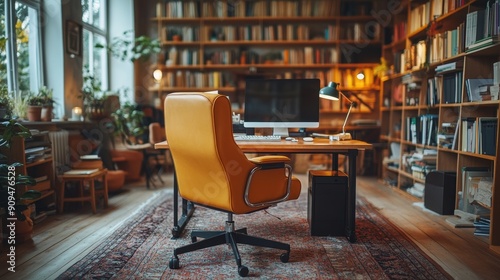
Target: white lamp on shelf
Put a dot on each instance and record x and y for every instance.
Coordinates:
(331, 92)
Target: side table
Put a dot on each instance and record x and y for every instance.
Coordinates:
(81, 177)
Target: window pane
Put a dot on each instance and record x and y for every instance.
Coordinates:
(23, 45)
(93, 13)
(95, 59)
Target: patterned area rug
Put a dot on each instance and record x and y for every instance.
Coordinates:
(142, 247)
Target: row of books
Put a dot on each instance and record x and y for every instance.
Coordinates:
(483, 26)
(213, 79)
(447, 135)
(419, 16)
(477, 134)
(447, 44)
(442, 7)
(194, 9)
(413, 58)
(422, 129)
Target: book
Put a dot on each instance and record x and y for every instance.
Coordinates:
(81, 171)
(487, 132)
(481, 44)
(473, 88)
(469, 172)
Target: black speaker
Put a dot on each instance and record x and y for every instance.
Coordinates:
(440, 191)
(327, 202)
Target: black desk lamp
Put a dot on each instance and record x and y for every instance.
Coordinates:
(332, 93)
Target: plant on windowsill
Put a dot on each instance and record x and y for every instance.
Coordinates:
(93, 97)
(6, 104)
(13, 204)
(48, 103)
(35, 103)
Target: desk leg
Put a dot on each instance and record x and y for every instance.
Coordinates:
(187, 211)
(351, 197)
(145, 166)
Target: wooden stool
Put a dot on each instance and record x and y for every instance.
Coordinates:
(81, 178)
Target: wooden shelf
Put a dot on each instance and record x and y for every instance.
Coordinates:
(346, 48)
(396, 118)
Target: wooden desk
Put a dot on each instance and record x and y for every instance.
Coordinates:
(322, 146)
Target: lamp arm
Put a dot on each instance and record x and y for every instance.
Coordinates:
(348, 112)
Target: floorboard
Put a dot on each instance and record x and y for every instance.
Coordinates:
(61, 240)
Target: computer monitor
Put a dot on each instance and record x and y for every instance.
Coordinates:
(281, 104)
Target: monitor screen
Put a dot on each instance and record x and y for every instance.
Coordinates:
(282, 104)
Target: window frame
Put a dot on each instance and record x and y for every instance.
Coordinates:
(95, 29)
(36, 69)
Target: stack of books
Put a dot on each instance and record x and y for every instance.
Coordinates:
(482, 227)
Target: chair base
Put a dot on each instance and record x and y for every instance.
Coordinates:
(231, 237)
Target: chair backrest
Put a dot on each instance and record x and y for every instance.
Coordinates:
(210, 168)
(156, 133)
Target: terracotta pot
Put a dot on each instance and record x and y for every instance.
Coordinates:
(24, 229)
(34, 113)
(46, 115)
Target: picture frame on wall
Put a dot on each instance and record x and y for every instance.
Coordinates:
(73, 38)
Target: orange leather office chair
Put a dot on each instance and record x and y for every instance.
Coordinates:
(212, 171)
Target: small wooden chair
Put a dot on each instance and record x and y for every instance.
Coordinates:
(91, 195)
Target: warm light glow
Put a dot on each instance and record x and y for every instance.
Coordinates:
(360, 76)
(157, 74)
(76, 113)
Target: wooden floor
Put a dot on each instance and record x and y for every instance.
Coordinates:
(61, 240)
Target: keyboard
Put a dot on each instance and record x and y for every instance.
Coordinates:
(263, 138)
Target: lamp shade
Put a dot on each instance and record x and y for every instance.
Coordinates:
(330, 91)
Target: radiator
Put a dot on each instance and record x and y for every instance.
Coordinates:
(60, 150)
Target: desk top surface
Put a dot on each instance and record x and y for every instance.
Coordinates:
(317, 145)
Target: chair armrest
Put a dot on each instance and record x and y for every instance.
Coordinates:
(269, 159)
(269, 162)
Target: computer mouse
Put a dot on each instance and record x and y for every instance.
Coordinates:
(289, 138)
(307, 139)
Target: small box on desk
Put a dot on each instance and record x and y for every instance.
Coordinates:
(327, 202)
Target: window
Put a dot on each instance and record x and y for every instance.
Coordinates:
(94, 18)
(20, 45)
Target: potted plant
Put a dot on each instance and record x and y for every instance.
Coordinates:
(128, 123)
(15, 205)
(92, 96)
(48, 103)
(35, 104)
(20, 107)
(5, 103)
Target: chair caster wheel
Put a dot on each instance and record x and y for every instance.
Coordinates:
(243, 271)
(173, 263)
(284, 257)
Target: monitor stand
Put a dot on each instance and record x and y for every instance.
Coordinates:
(280, 131)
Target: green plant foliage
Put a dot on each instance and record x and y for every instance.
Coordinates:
(128, 123)
(8, 198)
(126, 47)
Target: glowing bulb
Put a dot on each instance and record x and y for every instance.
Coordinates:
(157, 74)
(360, 76)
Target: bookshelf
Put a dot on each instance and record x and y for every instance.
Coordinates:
(35, 155)
(209, 45)
(435, 82)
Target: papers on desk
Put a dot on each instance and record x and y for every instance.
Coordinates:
(81, 171)
(90, 157)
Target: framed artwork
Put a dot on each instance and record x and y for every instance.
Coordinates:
(73, 38)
